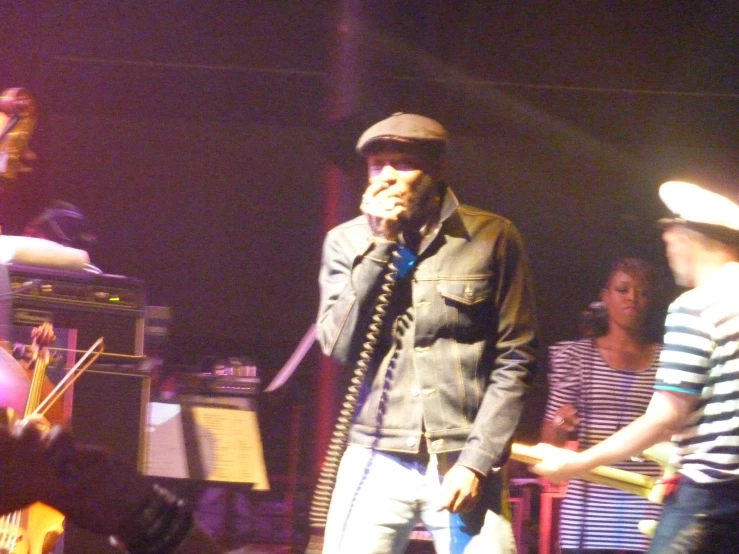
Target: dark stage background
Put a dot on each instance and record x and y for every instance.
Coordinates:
(198, 138)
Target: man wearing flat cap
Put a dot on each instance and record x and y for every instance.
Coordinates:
(696, 397)
(432, 300)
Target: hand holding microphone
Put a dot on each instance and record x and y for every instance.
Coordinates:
(384, 209)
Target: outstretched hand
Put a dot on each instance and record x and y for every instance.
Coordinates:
(557, 464)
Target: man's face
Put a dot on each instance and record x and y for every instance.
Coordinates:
(679, 250)
(408, 178)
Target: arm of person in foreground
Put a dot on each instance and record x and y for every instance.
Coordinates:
(105, 495)
(95, 491)
(666, 414)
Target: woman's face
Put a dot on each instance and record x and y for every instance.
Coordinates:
(627, 300)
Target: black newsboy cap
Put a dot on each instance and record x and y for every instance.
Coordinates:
(404, 128)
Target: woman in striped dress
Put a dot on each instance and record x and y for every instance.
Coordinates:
(597, 385)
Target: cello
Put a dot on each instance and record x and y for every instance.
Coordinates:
(35, 529)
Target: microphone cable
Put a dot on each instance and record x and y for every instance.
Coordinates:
(318, 513)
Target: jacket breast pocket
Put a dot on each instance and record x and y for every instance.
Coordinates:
(467, 305)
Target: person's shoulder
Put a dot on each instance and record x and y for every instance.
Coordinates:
(695, 301)
(479, 220)
(350, 237)
(357, 225)
(572, 348)
(466, 210)
(566, 359)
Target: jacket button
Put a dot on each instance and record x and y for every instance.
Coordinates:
(438, 443)
(468, 291)
(411, 441)
(415, 390)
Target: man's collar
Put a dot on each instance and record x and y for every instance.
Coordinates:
(449, 203)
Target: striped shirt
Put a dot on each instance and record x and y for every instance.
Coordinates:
(701, 357)
(596, 516)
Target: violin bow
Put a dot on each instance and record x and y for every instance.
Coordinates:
(72, 375)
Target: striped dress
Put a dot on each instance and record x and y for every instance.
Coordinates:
(595, 516)
(701, 357)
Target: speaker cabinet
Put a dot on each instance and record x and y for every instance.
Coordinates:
(109, 410)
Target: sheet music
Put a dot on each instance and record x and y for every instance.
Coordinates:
(165, 452)
(225, 442)
(230, 446)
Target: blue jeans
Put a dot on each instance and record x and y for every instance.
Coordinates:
(380, 497)
(699, 519)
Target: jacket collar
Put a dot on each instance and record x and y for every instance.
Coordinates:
(449, 203)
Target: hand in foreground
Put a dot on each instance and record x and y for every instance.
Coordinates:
(460, 490)
(24, 463)
(93, 490)
(100, 493)
(557, 464)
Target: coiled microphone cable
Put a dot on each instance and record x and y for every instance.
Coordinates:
(401, 258)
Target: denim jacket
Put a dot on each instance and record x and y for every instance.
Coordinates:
(456, 343)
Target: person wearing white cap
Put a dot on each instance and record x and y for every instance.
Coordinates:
(444, 387)
(696, 397)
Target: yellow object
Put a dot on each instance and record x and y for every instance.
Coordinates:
(628, 481)
(17, 123)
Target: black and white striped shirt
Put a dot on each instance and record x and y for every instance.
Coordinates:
(596, 516)
(701, 357)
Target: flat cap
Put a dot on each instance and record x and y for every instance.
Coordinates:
(703, 210)
(404, 128)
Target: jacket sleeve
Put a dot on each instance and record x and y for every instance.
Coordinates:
(350, 281)
(488, 444)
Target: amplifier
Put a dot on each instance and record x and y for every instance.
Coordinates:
(109, 410)
(96, 305)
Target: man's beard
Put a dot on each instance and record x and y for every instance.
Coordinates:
(424, 208)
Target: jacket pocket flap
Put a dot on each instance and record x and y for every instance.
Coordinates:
(468, 293)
